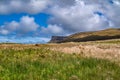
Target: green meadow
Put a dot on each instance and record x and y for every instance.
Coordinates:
(44, 64)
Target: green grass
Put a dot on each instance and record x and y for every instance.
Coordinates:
(43, 64)
(113, 41)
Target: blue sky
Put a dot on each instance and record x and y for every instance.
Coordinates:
(35, 21)
(40, 18)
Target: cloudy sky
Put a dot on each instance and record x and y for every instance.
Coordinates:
(35, 21)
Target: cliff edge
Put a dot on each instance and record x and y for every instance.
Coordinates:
(57, 39)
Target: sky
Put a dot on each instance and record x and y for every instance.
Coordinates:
(35, 21)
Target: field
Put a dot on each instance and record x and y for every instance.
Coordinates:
(98, 60)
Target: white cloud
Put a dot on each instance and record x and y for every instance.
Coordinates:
(4, 32)
(116, 2)
(86, 15)
(23, 6)
(52, 29)
(26, 24)
(13, 25)
(67, 16)
(63, 3)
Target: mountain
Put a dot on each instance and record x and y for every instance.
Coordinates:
(111, 33)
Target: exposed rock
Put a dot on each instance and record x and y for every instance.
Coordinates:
(57, 39)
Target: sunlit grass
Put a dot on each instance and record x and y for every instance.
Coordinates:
(44, 64)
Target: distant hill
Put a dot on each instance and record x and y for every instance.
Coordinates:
(56, 39)
(111, 33)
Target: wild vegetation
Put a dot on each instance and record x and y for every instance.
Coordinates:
(60, 61)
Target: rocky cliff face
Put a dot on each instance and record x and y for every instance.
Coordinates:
(57, 39)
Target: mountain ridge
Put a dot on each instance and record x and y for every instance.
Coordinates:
(111, 33)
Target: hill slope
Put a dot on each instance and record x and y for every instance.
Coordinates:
(111, 33)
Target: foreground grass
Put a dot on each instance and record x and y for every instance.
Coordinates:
(43, 64)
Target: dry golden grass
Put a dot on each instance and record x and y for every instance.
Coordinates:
(109, 49)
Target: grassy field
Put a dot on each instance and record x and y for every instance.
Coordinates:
(40, 62)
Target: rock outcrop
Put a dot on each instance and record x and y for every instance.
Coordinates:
(57, 39)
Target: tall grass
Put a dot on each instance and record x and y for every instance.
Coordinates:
(43, 64)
